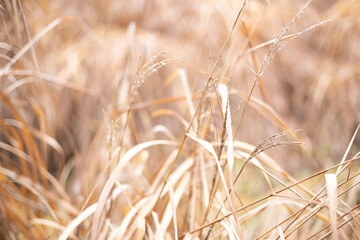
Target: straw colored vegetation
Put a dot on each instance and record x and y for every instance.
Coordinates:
(179, 119)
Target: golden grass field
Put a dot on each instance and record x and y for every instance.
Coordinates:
(179, 119)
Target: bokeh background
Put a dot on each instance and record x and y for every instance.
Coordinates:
(68, 92)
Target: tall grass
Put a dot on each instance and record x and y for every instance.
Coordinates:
(179, 119)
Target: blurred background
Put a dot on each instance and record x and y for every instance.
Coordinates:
(68, 72)
(312, 83)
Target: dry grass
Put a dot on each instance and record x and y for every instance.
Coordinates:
(175, 119)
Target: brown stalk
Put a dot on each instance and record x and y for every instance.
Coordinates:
(270, 195)
(210, 79)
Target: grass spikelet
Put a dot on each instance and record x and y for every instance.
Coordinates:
(152, 65)
(174, 119)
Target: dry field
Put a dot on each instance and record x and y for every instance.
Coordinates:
(179, 119)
